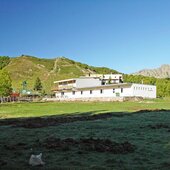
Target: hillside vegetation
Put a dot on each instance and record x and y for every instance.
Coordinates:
(4, 61)
(28, 68)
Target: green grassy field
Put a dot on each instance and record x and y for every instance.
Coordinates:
(13, 110)
(148, 132)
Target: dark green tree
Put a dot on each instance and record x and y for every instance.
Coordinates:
(4, 61)
(24, 85)
(5, 84)
(110, 80)
(38, 85)
(43, 93)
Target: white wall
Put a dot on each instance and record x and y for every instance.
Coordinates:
(97, 93)
(112, 76)
(87, 82)
(145, 91)
(136, 90)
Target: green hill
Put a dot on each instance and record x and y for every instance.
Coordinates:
(48, 70)
(28, 68)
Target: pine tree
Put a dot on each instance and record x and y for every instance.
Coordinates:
(38, 84)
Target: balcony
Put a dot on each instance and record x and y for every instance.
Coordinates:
(66, 87)
(63, 87)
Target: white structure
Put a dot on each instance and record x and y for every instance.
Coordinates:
(97, 87)
(113, 78)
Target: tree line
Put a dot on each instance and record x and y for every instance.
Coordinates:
(6, 84)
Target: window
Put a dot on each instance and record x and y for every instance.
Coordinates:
(103, 83)
(113, 90)
(81, 92)
(101, 90)
(91, 91)
(73, 92)
(121, 90)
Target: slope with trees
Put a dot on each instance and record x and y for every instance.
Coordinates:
(5, 84)
(4, 61)
(28, 68)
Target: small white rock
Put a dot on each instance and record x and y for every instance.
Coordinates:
(36, 160)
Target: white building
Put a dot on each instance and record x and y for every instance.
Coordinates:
(101, 87)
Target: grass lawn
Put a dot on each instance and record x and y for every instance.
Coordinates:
(147, 132)
(13, 110)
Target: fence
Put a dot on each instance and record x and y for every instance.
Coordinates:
(17, 99)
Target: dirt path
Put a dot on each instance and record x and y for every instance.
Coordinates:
(55, 66)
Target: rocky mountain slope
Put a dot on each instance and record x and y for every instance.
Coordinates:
(161, 72)
(48, 70)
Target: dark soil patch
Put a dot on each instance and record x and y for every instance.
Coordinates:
(165, 165)
(159, 126)
(89, 144)
(2, 162)
(155, 110)
(16, 146)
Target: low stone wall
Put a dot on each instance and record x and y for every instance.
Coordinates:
(132, 98)
(100, 99)
(106, 99)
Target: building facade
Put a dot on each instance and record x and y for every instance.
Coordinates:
(107, 86)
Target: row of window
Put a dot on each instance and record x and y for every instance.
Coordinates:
(143, 88)
(91, 91)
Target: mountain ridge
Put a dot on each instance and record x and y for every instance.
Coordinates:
(161, 72)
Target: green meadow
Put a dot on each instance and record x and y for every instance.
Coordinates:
(147, 132)
(15, 110)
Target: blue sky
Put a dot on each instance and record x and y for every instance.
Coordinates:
(126, 35)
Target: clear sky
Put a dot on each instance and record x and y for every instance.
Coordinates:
(126, 35)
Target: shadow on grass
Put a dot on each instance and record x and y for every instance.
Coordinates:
(54, 120)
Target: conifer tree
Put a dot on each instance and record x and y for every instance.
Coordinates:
(38, 84)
